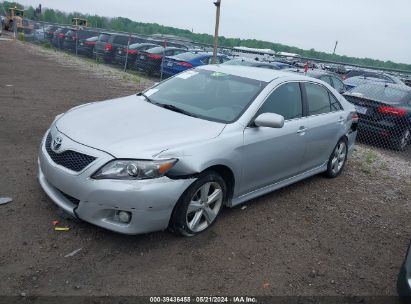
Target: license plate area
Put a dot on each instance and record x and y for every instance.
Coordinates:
(361, 110)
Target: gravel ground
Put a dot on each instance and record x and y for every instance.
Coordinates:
(345, 236)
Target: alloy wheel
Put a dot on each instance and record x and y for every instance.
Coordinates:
(204, 206)
(339, 157)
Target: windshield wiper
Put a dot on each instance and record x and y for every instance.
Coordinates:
(175, 109)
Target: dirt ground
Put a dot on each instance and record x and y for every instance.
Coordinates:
(345, 236)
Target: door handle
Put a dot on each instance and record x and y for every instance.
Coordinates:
(341, 119)
(302, 130)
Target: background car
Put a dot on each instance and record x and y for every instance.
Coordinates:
(150, 60)
(109, 44)
(86, 46)
(133, 52)
(176, 64)
(384, 112)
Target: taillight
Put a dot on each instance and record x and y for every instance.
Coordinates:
(392, 111)
(89, 43)
(61, 35)
(354, 116)
(344, 77)
(132, 52)
(109, 47)
(50, 33)
(185, 64)
(154, 56)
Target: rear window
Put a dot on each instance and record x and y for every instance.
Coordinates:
(85, 34)
(104, 37)
(381, 93)
(120, 40)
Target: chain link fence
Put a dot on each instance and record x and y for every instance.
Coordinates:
(382, 97)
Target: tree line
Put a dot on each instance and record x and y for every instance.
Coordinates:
(127, 25)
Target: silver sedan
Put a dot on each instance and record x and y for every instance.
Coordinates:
(175, 154)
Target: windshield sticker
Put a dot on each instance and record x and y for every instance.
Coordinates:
(187, 75)
(150, 92)
(218, 74)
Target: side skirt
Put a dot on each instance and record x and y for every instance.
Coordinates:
(276, 186)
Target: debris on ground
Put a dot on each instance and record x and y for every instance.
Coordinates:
(61, 228)
(73, 253)
(5, 200)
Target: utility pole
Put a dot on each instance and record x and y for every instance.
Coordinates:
(217, 25)
(336, 43)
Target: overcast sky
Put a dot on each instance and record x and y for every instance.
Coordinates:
(379, 29)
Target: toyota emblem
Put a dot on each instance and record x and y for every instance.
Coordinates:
(57, 143)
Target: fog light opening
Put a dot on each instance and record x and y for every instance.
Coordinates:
(123, 216)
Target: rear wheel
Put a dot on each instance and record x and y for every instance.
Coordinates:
(404, 140)
(338, 158)
(200, 205)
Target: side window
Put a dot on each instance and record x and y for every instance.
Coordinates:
(335, 105)
(285, 100)
(326, 79)
(338, 85)
(318, 99)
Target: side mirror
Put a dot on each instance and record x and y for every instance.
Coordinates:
(269, 120)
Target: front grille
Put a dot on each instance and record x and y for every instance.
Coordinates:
(70, 198)
(72, 160)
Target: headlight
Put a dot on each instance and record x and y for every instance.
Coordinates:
(134, 169)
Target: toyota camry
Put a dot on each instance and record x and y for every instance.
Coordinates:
(174, 155)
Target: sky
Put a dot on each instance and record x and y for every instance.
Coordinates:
(378, 29)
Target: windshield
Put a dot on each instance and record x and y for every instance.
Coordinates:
(381, 93)
(206, 94)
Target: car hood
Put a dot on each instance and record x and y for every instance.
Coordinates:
(131, 127)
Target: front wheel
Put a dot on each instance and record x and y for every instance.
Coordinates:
(200, 205)
(338, 158)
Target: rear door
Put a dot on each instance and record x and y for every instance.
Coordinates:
(325, 124)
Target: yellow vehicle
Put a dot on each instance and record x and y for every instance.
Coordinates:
(14, 21)
(79, 22)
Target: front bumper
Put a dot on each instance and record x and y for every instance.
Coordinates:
(150, 202)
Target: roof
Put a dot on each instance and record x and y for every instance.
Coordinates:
(266, 75)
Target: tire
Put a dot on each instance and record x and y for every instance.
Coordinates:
(404, 141)
(205, 197)
(338, 158)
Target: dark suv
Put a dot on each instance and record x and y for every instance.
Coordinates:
(109, 43)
